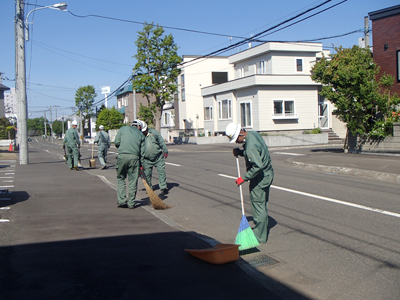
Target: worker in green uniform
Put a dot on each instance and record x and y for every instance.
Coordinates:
(130, 143)
(259, 172)
(103, 141)
(71, 139)
(155, 154)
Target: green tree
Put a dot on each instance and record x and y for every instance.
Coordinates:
(57, 127)
(84, 98)
(156, 68)
(4, 125)
(349, 81)
(37, 124)
(110, 119)
(146, 113)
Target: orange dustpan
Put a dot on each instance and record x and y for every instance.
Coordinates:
(220, 254)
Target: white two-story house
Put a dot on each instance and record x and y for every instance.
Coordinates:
(196, 73)
(272, 91)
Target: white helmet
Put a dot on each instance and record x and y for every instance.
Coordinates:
(137, 123)
(74, 122)
(144, 126)
(101, 127)
(232, 132)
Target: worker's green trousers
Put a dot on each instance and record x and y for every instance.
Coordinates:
(73, 156)
(102, 154)
(127, 165)
(259, 208)
(159, 164)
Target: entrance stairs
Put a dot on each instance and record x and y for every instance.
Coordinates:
(333, 138)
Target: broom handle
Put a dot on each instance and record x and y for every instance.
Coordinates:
(240, 186)
(92, 149)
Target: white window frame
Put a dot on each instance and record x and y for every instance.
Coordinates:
(210, 114)
(284, 114)
(241, 72)
(262, 64)
(220, 108)
(166, 118)
(248, 123)
(302, 65)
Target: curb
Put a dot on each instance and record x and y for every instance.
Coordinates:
(346, 171)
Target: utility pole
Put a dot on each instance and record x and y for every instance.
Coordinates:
(45, 127)
(51, 125)
(20, 82)
(366, 31)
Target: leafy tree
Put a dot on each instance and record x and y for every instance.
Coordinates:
(57, 127)
(349, 81)
(156, 68)
(37, 124)
(84, 98)
(146, 113)
(4, 125)
(110, 119)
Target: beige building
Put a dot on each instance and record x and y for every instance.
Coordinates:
(271, 91)
(197, 73)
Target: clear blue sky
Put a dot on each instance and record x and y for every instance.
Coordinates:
(65, 51)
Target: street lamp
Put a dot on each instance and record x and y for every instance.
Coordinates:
(21, 24)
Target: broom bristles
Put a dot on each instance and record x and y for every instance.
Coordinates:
(156, 202)
(245, 237)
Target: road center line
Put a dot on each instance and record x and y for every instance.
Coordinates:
(384, 212)
(171, 164)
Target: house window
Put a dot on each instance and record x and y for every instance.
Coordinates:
(208, 113)
(219, 77)
(299, 65)
(398, 65)
(224, 109)
(261, 66)
(284, 108)
(183, 87)
(166, 118)
(245, 114)
(241, 72)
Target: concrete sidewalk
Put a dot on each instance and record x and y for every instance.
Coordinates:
(332, 159)
(66, 239)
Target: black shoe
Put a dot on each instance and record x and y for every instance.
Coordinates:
(104, 167)
(133, 207)
(165, 191)
(76, 168)
(123, 205)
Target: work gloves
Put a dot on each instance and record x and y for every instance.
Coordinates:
(239, 181)
(237, 152)
(165, 155)
(63, 146)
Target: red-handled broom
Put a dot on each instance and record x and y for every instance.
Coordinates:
(245, 236)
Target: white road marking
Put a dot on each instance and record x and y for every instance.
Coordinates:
(4, 221)
(8, 180)
(171, 164)
(4, 208)
(287, 153)
(6, 177)
(384, 212)
(6, 186)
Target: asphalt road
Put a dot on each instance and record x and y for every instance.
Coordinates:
(332, 236)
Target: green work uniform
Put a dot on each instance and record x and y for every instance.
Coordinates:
(154, 149)
(130, 143)
(103, 141)
(260, 174)
(71, 139)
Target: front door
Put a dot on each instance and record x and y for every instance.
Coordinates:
(323, 114)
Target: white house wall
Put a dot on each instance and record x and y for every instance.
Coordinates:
(197, 76)
(284, 63)
(305, 103)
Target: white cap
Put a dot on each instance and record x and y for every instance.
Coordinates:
(144, 126)
(137, 123)
(74, 122)
(232, 132)
(101, 127)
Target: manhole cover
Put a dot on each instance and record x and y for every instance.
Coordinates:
(261, 260)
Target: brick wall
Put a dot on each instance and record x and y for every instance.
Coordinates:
(387, 31)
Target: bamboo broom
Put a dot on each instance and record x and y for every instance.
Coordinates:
(156, 202)
(245, 236)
